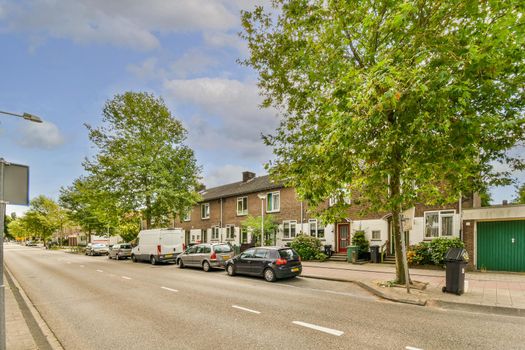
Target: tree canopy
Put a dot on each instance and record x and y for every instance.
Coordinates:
(142, 164)
(400, 102)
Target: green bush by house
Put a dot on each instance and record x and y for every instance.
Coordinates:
(360, 241)
(308, 247)
(433, 252)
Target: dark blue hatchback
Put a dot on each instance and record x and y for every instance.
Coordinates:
(269, 262)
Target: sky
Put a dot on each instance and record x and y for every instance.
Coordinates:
(63, 59)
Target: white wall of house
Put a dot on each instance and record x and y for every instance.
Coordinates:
(371, 225)
(104, 239)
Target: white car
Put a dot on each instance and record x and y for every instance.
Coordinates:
(96, 249)
(158, 245)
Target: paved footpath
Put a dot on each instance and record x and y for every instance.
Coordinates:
(485, 291)
(18, 335)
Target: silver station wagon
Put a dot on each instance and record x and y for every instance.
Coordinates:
(206, 256)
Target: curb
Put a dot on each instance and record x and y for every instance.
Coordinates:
(371, 290)
(478, 308)
(373, 271)
(48, 339)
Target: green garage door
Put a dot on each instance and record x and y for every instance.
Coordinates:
(501, 245)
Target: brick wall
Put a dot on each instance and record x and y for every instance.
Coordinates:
(468, 238)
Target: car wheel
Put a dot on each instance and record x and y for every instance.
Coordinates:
(206, 266)
(133, 258)
(269, 275)
(181, 264)
(109, 257)
(153, 261)
(230, 269)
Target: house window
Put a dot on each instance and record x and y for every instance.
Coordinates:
(205, 211)
(187, 216)
(376, 235)
(242, 205)
(244, 234)
(289, 229)
(439, 223)
(343, 193)
(273, 202)
(215, 233)
(316, 228)
(230, 232)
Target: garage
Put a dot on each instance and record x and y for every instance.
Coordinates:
(501, 245)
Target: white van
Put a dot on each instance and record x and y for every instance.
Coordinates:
(158, 245)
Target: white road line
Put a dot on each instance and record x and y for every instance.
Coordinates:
(126, 277)
(81, 265)
(319, 328)
(170, 289)
(412, 348)
(245, 309)
(69, 262)
(100, 271)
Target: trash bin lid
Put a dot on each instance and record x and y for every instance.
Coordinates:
(456, 254)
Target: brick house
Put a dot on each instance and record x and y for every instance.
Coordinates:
(219, 216)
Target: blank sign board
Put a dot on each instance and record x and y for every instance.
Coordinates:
(16, 184)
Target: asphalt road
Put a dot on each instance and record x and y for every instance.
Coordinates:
(96, 303)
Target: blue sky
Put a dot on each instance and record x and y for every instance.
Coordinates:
(63, 59)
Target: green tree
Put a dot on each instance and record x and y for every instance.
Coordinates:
(44, 218)
(17, 229)
(142, 161)
(520, 194)
(253, 224)
(402, 102)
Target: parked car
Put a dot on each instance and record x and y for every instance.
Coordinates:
(158, 245)
(206, 256)
(120, 251)
(96, 249)
(269, 262)
(31, 244)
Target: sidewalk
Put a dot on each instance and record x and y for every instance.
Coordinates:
(502, 293)
(18, 336)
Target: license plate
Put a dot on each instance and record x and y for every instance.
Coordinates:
(226, 257)
(295, 269)
(168, 255)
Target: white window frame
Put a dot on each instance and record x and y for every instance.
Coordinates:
(372, 234)
(441, 214)
(205, 210)
(347, 197)
(230, 232)
(187, 216)
(317, 227)
(215, 233)
(244, 210)
(288, 235)
(274, 208)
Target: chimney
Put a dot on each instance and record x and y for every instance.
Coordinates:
(505, 202)
(247, 176)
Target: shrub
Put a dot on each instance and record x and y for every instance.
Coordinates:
(419, 254)
(321, 257)
(308, 247)
(440, 246)
(360, 241)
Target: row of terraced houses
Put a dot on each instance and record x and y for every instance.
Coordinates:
(220, 214)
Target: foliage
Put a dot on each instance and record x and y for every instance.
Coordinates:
(321, 256)
(253, 224)
(520, 197)
(142, 163)
(360, 241)
(129, 229)
(401, 102)
(419, 254)
(439, 247)
(308, 247)
(7, 220)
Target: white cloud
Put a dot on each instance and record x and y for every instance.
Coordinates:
(228, 117)
(224, 175)
(44, 135)
(132, 23)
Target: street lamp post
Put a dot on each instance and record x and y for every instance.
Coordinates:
(3, 203)
(261, 197)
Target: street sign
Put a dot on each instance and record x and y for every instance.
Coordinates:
(16, 184)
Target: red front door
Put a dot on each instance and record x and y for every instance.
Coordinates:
(343, 237)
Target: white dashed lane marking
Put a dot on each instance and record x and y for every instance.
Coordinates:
(319, 328)
(412, 348)
(100, 271)
(245, 309)
(81, 265)
(170, 289)
(126, 277)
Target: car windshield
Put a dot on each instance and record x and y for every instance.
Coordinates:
(222, 248)
(288, 254)
(99, 245)
(125, 246)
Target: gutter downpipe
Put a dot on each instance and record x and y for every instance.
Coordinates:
(220, 223)
(302, 217)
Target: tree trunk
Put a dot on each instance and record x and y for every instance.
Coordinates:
(148, 212)
(395, 192)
